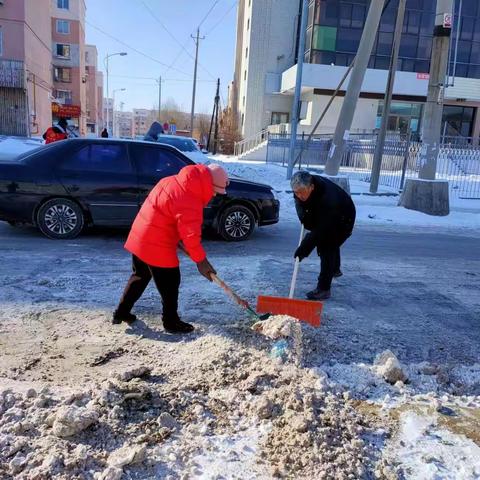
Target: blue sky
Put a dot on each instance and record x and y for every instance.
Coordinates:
(133, 22)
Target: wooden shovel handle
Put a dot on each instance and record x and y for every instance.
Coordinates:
(229, 291)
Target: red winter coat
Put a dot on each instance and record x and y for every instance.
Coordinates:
(173, 211)
(54, 134)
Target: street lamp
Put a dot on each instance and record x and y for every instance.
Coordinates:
(113, 106)
(122, 54)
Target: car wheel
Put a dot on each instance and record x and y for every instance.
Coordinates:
(236, 223)
(60, 218)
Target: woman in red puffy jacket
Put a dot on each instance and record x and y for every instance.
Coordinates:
(171, 218)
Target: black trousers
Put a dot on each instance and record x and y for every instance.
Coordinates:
(167, 281)
(330, 260)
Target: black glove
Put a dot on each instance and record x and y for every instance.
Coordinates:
(205, 269)
(301, 253)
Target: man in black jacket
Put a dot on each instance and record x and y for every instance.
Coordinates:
(328, 213)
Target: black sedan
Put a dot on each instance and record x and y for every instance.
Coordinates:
(65, 186)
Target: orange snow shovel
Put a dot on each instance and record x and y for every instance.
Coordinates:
(306, 310)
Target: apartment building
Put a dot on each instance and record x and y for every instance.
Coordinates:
(25, 67)
(265, 66)
(94, 115)
(123, 124)
(142, 119)
(69, 74)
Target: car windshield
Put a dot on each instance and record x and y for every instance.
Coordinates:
(183, 144)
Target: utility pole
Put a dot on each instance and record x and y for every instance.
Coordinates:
(354, 87)
(436, 89)
(215, 112)
(377, 156)
(217, 102)
(426, 194)
(192, 114)
(159, 98)
(298, 89)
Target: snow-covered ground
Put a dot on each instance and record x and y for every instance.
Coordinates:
(372, 210)
(81, 398)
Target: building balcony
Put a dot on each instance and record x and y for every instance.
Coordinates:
(12, 74)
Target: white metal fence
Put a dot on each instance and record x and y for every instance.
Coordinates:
(458, 160)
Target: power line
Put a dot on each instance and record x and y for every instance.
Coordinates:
(208, 13)
(136, 50)
(234, 4)
(163, 79)
(182, 47)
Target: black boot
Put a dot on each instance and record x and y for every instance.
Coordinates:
(318, 294)
(337, 274)
(119, 317)
(175, 325)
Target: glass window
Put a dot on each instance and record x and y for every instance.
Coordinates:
(469, 7)
(358, 16)
(324, 38)
(387, 22)
(348, 40)
(382, 63)
(384, 45)
(345, 15)
(156, 161)
(279, 117)
(63, 50)
(308, 41)
(461, 70)
(476, 31)
(408, 46)
(459, 120)
(63, 26)
(463, 54)
(412, 22)
(474, 71)
(341, 60)
(327, 13)
(323, 58)
(427, 23)
(422, 66)
(475, 54)
(107, 158)
(64, 4)
(424, 47)
(62, 74)
(182, 143)
(467, 26)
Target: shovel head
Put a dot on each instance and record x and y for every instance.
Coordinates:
(306, 310)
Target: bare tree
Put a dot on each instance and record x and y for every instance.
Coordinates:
(229, 132)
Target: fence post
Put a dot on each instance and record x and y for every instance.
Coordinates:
(406, 156)
(268, 144)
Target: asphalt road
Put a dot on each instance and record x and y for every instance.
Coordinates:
(417, 294)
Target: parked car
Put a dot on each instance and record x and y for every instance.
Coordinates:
(65, 186)
(188, 146)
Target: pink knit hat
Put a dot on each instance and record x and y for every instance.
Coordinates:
(219, 177)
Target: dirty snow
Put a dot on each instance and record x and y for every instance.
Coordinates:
(83, 399)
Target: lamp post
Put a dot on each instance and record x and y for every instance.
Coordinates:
(122, 54)
(113, 107)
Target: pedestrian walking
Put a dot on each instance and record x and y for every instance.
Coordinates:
(170, 218)
(104, 133)
(328, 213)
(57, 132)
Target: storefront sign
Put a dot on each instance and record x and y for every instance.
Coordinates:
(66, 111)
(423, 76)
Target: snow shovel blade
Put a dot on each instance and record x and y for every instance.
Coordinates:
(306, 310)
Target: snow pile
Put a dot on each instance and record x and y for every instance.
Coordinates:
(282, 418)
(422, 449)
(388, 366)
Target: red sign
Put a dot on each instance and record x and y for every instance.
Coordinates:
(447, 20)
(423, 76)
(66, 111)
